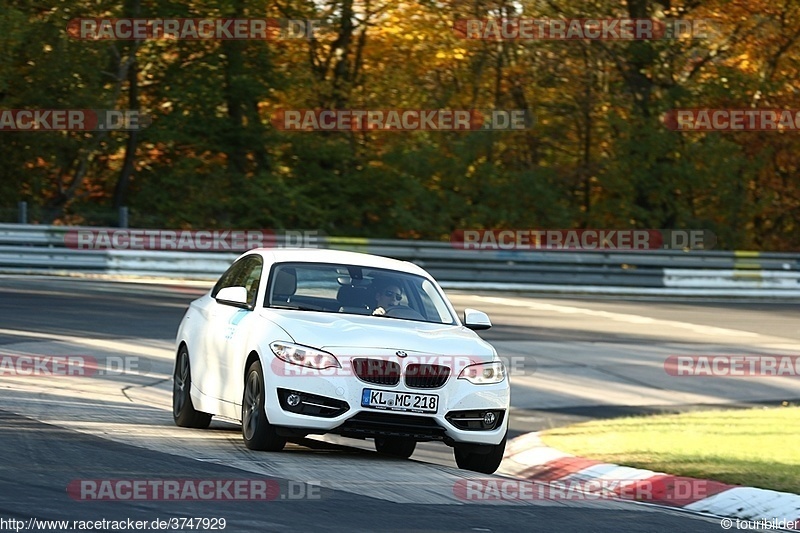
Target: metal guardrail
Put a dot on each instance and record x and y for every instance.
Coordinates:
(42, 250)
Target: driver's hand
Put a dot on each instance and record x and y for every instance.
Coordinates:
(379, 311)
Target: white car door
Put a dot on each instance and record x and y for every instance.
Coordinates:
(227, 331)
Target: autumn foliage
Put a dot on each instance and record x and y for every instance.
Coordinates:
(599, 154)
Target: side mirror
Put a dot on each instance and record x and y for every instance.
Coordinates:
(475, 320)
(235, 296)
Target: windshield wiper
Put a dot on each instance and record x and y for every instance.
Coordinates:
(298, 308)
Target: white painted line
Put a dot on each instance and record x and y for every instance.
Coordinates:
(523, 443)
(613, 472)
(101, 344)
(538, 456)
(741, 293)
(618, 317)
(751, 503)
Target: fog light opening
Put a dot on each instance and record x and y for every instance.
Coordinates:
(293, 400)
(489, 418)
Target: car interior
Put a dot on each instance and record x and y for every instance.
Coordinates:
(354, 300)
(355, 293)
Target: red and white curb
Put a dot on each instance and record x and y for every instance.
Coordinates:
(528, 458)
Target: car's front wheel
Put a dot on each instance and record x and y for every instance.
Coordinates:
(486, 463)
(183, 411)
(258, 433)
(395, 446)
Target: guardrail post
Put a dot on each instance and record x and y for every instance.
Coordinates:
(123, 217)
(22, 217)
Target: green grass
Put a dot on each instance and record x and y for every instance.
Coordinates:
(753, 447)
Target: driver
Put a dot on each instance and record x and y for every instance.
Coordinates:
(388, 294)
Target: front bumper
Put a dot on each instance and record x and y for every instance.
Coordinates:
(335, 407)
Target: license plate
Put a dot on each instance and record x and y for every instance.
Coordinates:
(399, 401)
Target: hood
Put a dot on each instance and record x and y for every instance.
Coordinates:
(332, 332)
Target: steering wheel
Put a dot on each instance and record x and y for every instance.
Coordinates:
(403, 311)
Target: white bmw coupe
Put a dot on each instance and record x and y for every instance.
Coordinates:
(292, 342)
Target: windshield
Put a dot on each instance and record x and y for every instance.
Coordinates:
(351, 289)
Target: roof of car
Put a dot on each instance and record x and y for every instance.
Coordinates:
(318, 255)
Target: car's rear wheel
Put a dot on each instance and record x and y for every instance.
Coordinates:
(257, 432)
(395, 446)
(183, 411)
(486, 463)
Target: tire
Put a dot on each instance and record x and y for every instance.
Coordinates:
(183, 411)
(257, 432)
(395, 446)
(485, 463)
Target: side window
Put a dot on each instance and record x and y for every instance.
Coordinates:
(252, 280)
(246, 273)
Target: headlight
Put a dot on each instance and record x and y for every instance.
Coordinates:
(304, 356)
(484, 373)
